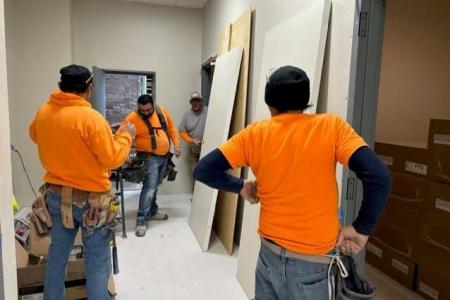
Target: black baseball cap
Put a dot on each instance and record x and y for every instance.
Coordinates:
(75, 78)
(287, 88)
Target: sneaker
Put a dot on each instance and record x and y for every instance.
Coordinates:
(159, 217)
(140, 230)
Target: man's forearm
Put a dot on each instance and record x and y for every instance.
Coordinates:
(376, 185)
(211, 170)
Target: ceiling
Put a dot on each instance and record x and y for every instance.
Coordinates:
(177, 3)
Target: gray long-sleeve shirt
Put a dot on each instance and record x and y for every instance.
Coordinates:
(194, 124)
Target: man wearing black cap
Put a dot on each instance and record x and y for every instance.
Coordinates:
(192, 126)
(293, 156)
(77, 149)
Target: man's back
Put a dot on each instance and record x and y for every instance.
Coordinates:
(76, 146)
(293, 157)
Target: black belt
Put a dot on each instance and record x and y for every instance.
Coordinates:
(145, 155)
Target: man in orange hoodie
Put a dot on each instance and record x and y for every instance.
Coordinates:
(77, 149)
(155, 131)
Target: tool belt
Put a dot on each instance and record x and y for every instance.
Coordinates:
(103, 208)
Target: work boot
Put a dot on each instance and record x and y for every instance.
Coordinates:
(159, 217)
(140, 230)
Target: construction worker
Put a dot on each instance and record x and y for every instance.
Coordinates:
(77, 149)
(155, 131)
(192, 127)
(293, 156)
(192, 124)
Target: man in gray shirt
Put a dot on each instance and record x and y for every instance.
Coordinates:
(193, 125)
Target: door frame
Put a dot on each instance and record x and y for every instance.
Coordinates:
(365, 69)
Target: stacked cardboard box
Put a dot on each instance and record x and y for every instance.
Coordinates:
(411, 243)
(31, 258)
(434, 262)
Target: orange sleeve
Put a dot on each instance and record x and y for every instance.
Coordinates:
(236, 149)
(111, 151)
(32, 131)
(173, 132)
(186, 137)
(348, 141)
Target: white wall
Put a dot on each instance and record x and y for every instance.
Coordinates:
(133, 36)
(8, 280)
(414, 79)
(42, 36)
(38, 44)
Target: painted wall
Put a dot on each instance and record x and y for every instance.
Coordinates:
(414, 84)
(8, 280)
(38, 42)
(43, 36)
(135, 36)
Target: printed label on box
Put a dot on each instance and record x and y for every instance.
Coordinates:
(442, 139)
(374, 250)
(39, 296)
(400, 266)
(442, 204)
(387, 160)
(417, 168)
(428, 290)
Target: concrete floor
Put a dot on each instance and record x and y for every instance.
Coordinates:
(168, 263)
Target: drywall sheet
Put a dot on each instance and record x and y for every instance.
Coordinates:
(221, 102)
(298, 41)
(225, 216)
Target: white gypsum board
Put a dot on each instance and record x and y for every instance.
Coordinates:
(220, 108)
(299, 41)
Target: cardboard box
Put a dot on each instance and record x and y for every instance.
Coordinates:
(21, 255)
(439, 144)
(33, 275)
(403, 216)
(408, 160)
(433, 279)
(75, 290)
(398, 267)
(410, 190)
(439, 199)
(435, 229)
(398, 241)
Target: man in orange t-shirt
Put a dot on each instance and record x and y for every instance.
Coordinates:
(293, 156)
(77, 150)
(155, 131)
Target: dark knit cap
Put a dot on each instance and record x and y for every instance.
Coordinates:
(75, 78)
(287, 89)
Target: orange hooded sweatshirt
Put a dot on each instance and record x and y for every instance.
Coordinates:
(75, 143)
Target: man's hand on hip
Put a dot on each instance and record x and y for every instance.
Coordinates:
(249, 191)
(350, 241)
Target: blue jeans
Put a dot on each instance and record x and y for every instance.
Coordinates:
(97, 254)
(282, 278)
(148, 207)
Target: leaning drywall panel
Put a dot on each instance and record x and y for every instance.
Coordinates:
(299, 41)
(226, 208)
(223, 92)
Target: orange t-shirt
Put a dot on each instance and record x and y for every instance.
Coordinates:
(293, 157)
(75, 143)
(143, 142)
